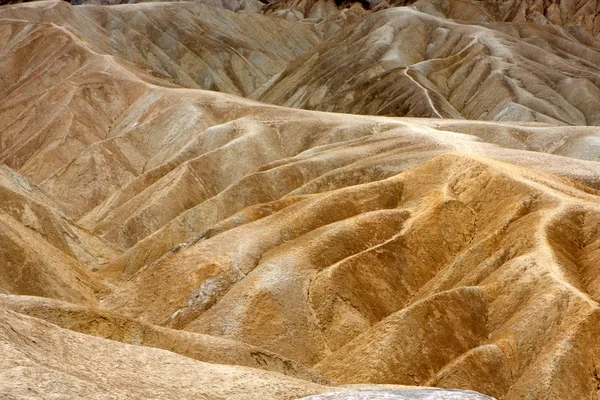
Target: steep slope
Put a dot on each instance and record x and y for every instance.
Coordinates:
(350, 162)
(42, 251)
(582, 14)
(74, 87)
(404, 62)
(101, 323)
(33, 266)
(184, 43)
(429, 259)
(192, 227)
(39, 358)
(30, 207)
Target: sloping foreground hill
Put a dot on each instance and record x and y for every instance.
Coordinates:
(41, 360)
(209, 236)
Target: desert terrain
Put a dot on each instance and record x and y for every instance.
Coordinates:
(231, 199)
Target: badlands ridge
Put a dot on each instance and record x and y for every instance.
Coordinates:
(234, 200)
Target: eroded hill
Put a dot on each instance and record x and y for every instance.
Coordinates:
(163, 240)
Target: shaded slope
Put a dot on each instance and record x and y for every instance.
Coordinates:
(185, 43)
(332, 266)
(40, 358)
(104, 324)
(403, 62)
(433, 252)
(33, 209)
(582, 14)
(43, 252)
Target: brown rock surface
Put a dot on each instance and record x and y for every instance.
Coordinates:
(158, 240)
(582, 14)
(405, 62)
(39, 359)
(105, 324)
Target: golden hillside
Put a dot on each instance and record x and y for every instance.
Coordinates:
(237, 201)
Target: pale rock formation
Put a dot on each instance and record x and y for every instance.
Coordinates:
(159, 240)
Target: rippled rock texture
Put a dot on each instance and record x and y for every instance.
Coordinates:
(168, 229)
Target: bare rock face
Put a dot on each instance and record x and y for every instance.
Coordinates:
(581, 14)
(41, 359)
(169, 230)
(404, 62)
